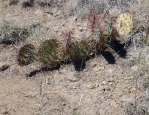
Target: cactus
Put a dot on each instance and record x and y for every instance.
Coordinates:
(105, 25)
(124, 24)
(106, 30)
(27, 55)
(51, 53)
(100, 24)
(79, 50)
(102, 30)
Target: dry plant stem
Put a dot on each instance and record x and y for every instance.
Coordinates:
(40, 92)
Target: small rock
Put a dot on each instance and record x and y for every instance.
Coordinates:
(64, 104)
(81, 29)
(111, 79)
(91, 86)
(5, 112)
(97, 85)
(78, 24)
(134, 68)
(38, 12)
(74, 87)
(71, 76)
(49, 16)
(104, 83)
(59, 13)
(97, 68)
(110, 83)
(110, 71)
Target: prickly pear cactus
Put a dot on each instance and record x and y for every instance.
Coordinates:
(124, 24)
(105, 26)
(27, 55)
(99, 25)
(51, 52)
(102, 29)
(79, 50)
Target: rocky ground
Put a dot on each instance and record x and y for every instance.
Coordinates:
(100, 89)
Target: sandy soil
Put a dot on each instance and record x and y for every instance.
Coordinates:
(100, 89)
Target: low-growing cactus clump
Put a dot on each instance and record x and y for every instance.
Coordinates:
(79, 50)
(27, 55)
(51, 53)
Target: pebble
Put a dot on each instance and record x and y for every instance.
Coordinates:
(134, 68)
(97, 68)
(81, 29)
(78, 24)
(74, 87)
(91, 86)
(59, 13)
(50, 16)
(38, 12)
(104, 83)
(71, 76)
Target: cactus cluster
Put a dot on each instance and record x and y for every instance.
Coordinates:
(52, 52)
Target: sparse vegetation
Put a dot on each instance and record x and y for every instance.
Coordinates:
(11, 33)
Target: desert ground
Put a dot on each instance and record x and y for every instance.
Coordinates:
(100, 88)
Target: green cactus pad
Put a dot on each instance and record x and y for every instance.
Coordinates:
(79, 50)
(51, 52)
(27, 55)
